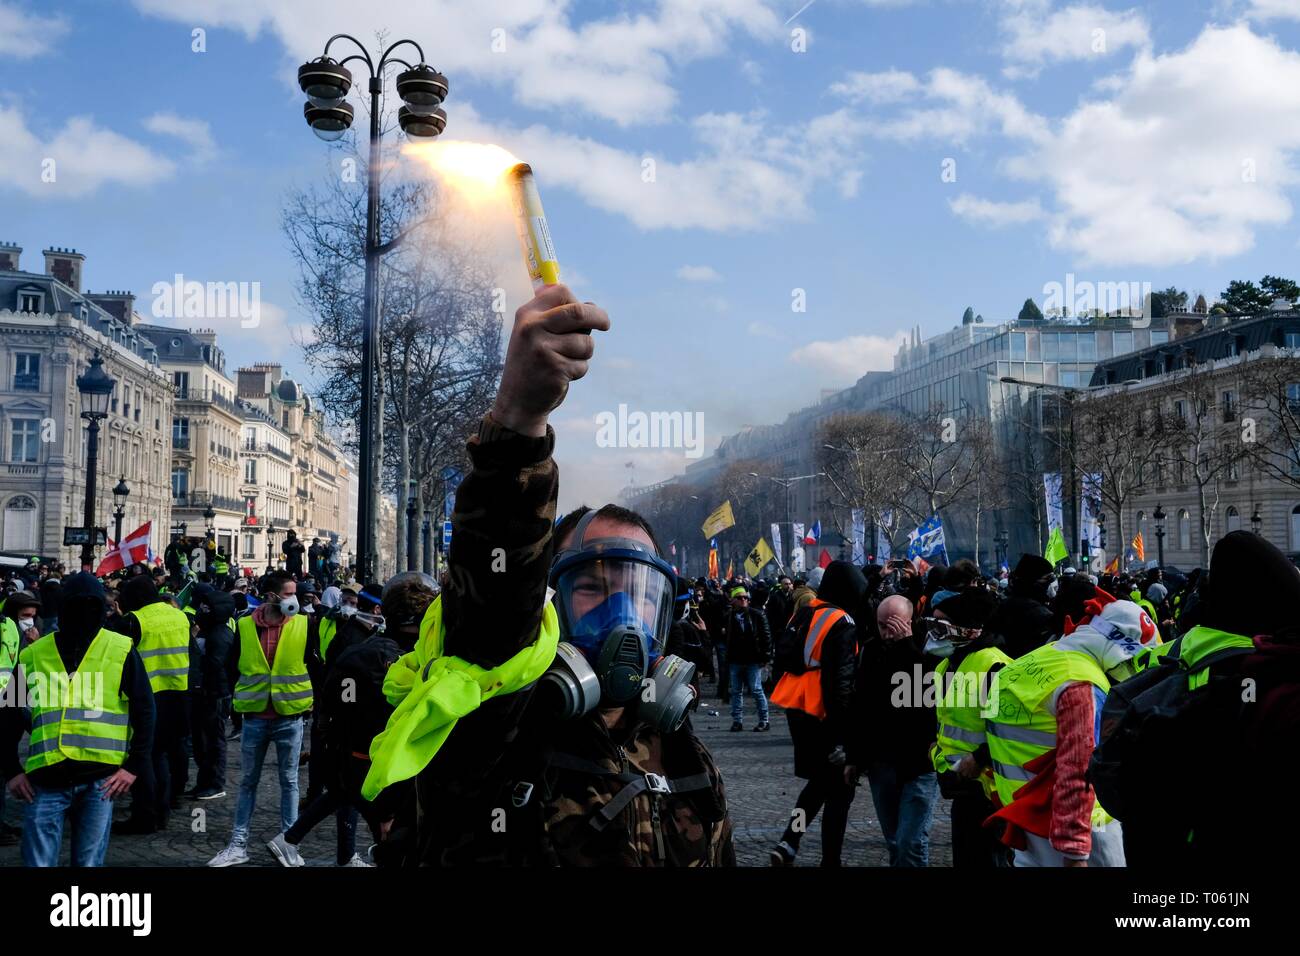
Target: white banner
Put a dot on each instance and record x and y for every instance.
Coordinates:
(884, 550)
(1052, 492)
(776, 545)
(1091, 506)
(796, 559)
(859, 533)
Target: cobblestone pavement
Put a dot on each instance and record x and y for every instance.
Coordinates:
(758, 769)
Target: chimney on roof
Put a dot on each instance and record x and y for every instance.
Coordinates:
(9, 253)
(64, 265)
(117, 303)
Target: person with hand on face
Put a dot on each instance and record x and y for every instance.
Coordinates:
(91, 720)
(272, 690)
(526, 749)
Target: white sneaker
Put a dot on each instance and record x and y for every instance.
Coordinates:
(285, 851)
(357, 861)
(230, 856)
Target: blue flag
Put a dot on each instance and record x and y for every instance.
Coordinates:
(927, 541)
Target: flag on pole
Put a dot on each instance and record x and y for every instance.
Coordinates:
(758, 558)
(927, 541)
(776, 544)
(134, 548)
(183, 597)
(720, 520)
(731, 569)
(1056, 551)
(814, 533)
(824, 560)
(884, 548)
(1138, 547)
(1113, 567)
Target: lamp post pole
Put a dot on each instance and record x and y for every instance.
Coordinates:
(95, 386)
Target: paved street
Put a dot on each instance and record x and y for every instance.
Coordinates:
(761, 789)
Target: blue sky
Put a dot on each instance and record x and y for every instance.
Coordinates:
(1147, 142)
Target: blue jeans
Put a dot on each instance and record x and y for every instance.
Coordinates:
(91, 814)
(905, 811)
(258, 735)
(747, 677)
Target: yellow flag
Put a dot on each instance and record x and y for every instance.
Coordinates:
(758, 558)
(1056, 550)
(720, 520)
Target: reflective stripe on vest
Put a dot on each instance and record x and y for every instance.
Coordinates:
(164, 646)
(82, 716)
(961, 707)
(804, 691)
(285, 684)
(1023, 728)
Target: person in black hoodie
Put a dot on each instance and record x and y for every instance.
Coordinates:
(353, 711)
(749, 648)
(1024, 619)
(211, 699)
(81, 789)
(891, 729)
(819, 738)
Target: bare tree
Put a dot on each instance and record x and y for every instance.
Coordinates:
(1270, 423)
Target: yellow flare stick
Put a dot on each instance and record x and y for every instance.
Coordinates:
(530, 223)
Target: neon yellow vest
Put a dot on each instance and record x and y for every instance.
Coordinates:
(1196, 644)
(82, 718)
(220, 566)
(285, 685)
(327, 630)
(1023, 729)
(165, 646)
(960, 713)
(8, 650)
(431, 692)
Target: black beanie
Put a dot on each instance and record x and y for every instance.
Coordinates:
(971, 607)
(136, 593)
(1252, 587)
(1031, 567)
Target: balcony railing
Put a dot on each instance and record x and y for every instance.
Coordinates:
(304, 464)
(325, 474)
(302, 492)
(279, 522)
(198, 500)
(181, 441)
(249, 445)
(27, 383)
(205, 395)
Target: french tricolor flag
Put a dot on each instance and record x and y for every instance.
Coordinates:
(814, 533)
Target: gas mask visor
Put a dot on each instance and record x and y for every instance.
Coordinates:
(615, 601)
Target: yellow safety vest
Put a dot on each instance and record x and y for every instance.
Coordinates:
(1023, 729)
(432, 691)
(285, 684)
(8, 650)
(1196, 644)
(84, 717)
(327, 630)
(165, 646)
(960, 711)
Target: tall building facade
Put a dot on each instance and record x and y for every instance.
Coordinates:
(50, 328)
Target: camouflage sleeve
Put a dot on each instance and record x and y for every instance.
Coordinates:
(501, 545)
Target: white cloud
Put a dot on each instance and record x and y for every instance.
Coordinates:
(763, 330)
(751, 172)
(1274, 9)
(619, 67)
(955, 107)
(24, 35)
(75, 161)
(846, 360)
(887, 87)
(989, 213)
(698, 274)
(1080, 32)
(194, 133)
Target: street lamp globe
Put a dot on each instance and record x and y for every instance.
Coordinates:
(325, 81)
(422, 89)
(120, 492)
(1256, 521)
(328, 124)
(209, 514)
(1159, 515)
(95, 386)
(422, 125)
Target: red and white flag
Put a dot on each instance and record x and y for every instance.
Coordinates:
(134, 548)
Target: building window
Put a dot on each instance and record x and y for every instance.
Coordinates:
(182, 382)
(1123, 343)
(20, 525)
(1180, 410)
(1295, 528)
(1229, 407)
(1292, 340)
(1159, 337)
(1087, 342)
(27, 372)
(24, 440)
(181, 433)
(1051, 347)
(1017, 346)
(180, 482)
(250, 470)
(1231, 520)
(29, 302)
(1184, 530)
(249, 545)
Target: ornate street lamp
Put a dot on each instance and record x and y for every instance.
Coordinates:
(95, 386)
(326, 83)
(210, 517)
(1257, 521)
(120, 492)
(1159, 515)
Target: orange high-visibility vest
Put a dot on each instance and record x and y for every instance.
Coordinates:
(804, 691)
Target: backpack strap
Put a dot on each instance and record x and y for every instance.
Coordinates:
(634, 784)
(1218, 657)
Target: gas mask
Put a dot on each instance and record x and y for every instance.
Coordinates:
(614, 598)
(943, 638)
(289, 605)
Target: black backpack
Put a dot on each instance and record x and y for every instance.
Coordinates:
(1155, 732)
(788, 655)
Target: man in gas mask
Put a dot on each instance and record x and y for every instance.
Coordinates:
(272, 690)
(548, 732)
